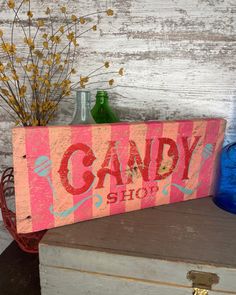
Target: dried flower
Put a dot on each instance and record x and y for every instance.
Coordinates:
(74, 18)
(9, 48)
(30, 14)
(63, 9)
(11, 4)
(22, 91)
(94, 28)
(121, 71)
(110, 12)
(111, 82)
(29, 42)
(19, 59)
(82, 20)
(45, 44)
(107, 64)
(40, 23)
(1, 33)
(61, 29)
(48, 11)
(71, 36)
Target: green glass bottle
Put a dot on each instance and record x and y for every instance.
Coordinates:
(102, 112)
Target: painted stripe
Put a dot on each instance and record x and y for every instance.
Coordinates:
(101, 135)
(37, 145)
(60, 140)
(170, 130)
(212, 130)
(176, 195)
(154, 131)
(196, 162)
(138, 135)
(216, 158)
(120, 133)
(81, 135)
(22, 192)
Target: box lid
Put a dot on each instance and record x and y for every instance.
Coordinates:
(160, 244)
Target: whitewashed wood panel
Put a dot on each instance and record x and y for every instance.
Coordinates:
(60, 281)
(179, 56)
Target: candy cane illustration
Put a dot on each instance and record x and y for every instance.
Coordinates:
(42, 168)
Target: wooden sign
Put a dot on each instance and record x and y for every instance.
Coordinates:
(69, 174)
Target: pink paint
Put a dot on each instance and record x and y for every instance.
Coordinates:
(85, 211)
(37, 144)
(185, 129)
(211, 136)
(122, 149)
(152, 186)
(110, 168)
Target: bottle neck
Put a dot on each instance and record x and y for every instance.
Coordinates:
(102, 98)
(83, 103)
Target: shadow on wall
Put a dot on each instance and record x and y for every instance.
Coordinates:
(231, 134)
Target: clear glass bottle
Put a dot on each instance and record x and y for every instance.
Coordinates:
(225, 195)
(82, 112)
(102, 112)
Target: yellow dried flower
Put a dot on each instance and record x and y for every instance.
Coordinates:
(30, 14)
(55, 39)
(121, 71)
(4, 79)
(1, 33)
(45, 44)
(111, 82)
(61, 67)
(5, 91)
(2, 67)
(45, 36)
(9, 48)
(29, 42)
(107, 64)
(94, 28)
(11, 99)
(110, 12)
(63, 9)
(73, 71)
(19, 59)
(74, 18)
(15, 77)
(61, 29)
(48, 11)
(84, 79)
(38, 53)
(11, 4)
(71, 36)
(40, 23)
(22, 91)
(35, 122)
(82, 20)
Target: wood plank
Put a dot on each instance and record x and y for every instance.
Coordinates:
(158, 233)
(156, 166)
(60, 280)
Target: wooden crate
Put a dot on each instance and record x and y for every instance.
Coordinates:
(147, 252)
(73, 173)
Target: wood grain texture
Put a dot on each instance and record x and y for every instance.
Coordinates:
(60, 280)
(161, 244)
(179, 58)
(70, 174)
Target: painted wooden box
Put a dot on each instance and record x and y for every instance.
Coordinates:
(178, 249)
(68, 174)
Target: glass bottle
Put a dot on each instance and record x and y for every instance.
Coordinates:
(225, 195)
(82, 112)
(102, 112)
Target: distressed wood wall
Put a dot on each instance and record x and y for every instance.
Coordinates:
(179, 56)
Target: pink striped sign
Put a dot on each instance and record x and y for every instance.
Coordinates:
(67, 174)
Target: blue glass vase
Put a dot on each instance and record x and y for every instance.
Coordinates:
(225, 195)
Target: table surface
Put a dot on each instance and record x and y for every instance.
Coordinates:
(193, 231)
